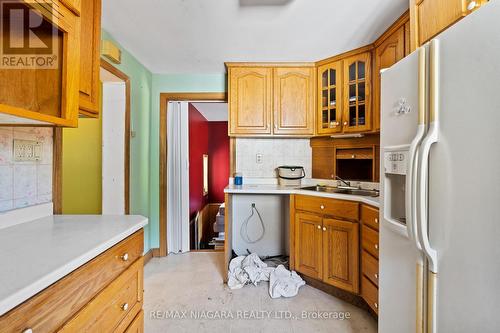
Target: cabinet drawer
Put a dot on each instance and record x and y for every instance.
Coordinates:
(370, 293)
(52, 307)
(137, 325)
(115, 307)
(370, 240)
(370, 216)
(369, 267)
(337, 208)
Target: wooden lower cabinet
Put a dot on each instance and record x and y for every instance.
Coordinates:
(137, 325)
(369, 256)
(103, 295)
(308, 245)
(341, 254)
(326, 248)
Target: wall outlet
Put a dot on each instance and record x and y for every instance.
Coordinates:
(259, 158)
(27, 150)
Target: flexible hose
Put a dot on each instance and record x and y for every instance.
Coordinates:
(244, 227)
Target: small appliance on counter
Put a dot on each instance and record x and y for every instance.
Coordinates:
(290, 175)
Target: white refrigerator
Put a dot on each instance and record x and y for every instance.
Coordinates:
(440, 183)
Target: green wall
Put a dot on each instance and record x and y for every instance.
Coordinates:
(82, 168)
(164, 83)
(141, 90)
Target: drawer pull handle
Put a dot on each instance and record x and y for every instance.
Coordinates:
(375, 305)
(319, 227)
(376, 246)
(376, 276)
(28, 330)
(322, 207)
(124, 257)
(376, 220)
(324, 228)
(124, 307)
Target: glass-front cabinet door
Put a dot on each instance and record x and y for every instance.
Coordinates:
(330, 98)
(357, 105)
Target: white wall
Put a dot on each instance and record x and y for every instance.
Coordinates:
(113, 148)
(25, 184)
(276, 152)
(275, 214)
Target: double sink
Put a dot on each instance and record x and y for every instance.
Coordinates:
(342, 190)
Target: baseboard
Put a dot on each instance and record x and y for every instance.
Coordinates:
(147, 257)
(155, 252)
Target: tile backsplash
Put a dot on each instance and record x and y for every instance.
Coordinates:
(275, 152)
(25, 183)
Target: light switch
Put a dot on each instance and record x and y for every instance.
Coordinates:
(27, 150)
(259, 158)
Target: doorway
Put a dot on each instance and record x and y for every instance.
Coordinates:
(165, 98)
(114, 115)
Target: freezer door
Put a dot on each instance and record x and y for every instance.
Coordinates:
(464, 176)
(400, 262)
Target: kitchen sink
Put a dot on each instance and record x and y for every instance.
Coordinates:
(340, 190)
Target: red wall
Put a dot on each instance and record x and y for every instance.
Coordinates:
(218, 160)
(198, 145)
(207, 138)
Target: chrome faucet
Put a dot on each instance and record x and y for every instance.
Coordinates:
(343, 181)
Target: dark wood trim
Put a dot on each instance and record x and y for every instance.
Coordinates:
(57, 170)
(115, 71)
(147, 256)
(164, 99)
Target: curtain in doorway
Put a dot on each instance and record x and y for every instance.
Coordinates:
(177, 177)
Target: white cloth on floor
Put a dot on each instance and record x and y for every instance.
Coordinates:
(251, 269)
(284, 283)
(247, 269)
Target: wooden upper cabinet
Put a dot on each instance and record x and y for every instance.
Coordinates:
(250, 100)
(389, 49)
(430, 17)
(294, 100)
(74, 5)
(47, 94)
(90, 57)
(357, 97)
(308, 245)
(341, 254)
(329, 116)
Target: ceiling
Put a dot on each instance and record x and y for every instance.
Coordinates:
(198, 36)
(212, 111)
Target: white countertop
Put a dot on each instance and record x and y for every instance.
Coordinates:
(276, 189)
(36, 254)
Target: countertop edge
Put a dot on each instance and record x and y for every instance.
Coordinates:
(285, 191)
(27, 292)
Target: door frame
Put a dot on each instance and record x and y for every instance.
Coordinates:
(164, 99)
(58, 144)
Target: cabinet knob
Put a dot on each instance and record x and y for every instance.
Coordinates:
(376, 246)
(28, 330)
(332, 176)
(124, 257)
(472, 5)
(353, 156)
(324, 228)
(375, 305)
(345, 123)
(319, 227)
(376, 220)
(322, 207)
(124, 307)
(376, 276)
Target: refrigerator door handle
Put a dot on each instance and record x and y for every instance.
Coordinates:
(412, 171)
(422, 200)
